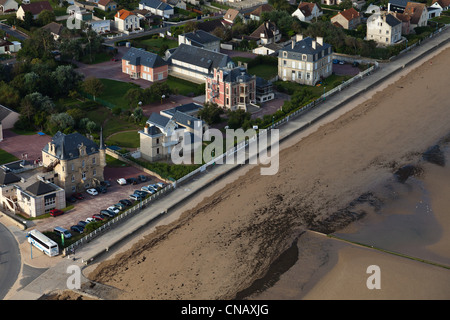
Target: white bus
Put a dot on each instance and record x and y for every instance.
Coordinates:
(43, 243)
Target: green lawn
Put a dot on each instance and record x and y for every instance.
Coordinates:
(441, 19)
(114, 92)
(6, 157)
(129, 139)
(184, 87)
(96, 58)
(153, 45)
(264, 71)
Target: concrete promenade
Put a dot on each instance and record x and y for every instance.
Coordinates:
(55, 277)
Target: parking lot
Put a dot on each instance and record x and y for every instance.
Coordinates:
(93, 204)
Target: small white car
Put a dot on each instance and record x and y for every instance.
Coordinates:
(114, 209)
(122, 181)
(89, 220)
(92, 192)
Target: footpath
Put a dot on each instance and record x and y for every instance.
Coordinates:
(55, 277)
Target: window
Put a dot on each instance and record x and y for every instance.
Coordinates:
(304, 57)
(82, 164)
(93, 160)
(49, 201)
(157, 150)
(83, 175)
(73, 167)
(73, 178)
(284, 63)
(157, 140)
(94, 172)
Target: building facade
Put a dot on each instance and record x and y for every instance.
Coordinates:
(125, 20)
(348, 19)
(201, 39)
(231, 87)
(307, 11)
(77, 162)
(305, 60)
(141, 64)
(384, 28)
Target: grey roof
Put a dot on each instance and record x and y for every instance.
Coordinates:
(4, 112)
(185, 108)
(392, 21)
(39, 188)
(199, 57)
(237, 74)
(261, 82)
(399, 3)
(156, 4)
(305, 47)
(211, 25)
(184, 119)
(158, 120)
(201, 37)
(137, 56)
(7, 177)
(67, 146)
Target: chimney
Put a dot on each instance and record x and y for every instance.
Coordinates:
(293, 43)
(313, 44)
(146, 129)
(320, 40)
(298, 37)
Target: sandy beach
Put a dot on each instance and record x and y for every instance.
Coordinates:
(222, 244)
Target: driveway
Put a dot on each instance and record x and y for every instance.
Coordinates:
(19, 145)
(346, 69)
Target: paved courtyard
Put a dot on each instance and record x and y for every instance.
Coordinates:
(29, 145)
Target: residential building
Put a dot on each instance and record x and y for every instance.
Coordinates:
(406, 22)
(194, 63)
(141, 64)
(107, 5)
(8, 117)
(305, 60)
(307, 11)
(444, 5)
(230, 16)
(418, 13)
(257, 13)
(159, 135)
(55, 29)
(35, 8)
(268, 49)
(384, 28)
(266, 33)
(211, 25)
(397, 5)
(348, 19)
(231, 87)
(100, 26)
(125, 21)
(201, 39)
(157, 7)
(434, 12)
(77, 162)
(26, 189)
(7, 46)
(264, 90)
(8, 6)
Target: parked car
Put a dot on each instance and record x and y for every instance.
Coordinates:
(56, 212)
(89, 220)
(120, 206)
(148, 190)
(71, 199)
(136, 197)
(77, 228)
(160, 184)
(101, 189)
(154, 186)
(122, 181)
(78, 196)
(92, 192)
(107, 213)
(98, 217)
(132, 181)
(126, 202)
(61, 231)
(142, 178)
(335, 61)
(113, 209)
(341, 62)
(105, 183)
(82, 224)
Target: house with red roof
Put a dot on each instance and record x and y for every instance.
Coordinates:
(348, 19)
(126, 21)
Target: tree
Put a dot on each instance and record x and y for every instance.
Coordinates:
(66, 79)
(210, 113)
(45, 17)
(138, 114)
(237, 118)
(28, 20)
(60, 122)
(91, 126)
(9, 96)
(93, 86)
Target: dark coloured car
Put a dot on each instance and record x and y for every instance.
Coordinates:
(77, 228)
(71, 199)
(82, 224)
(136, 197)
(140, 192)
(105, 183)
(126, 202)
(107, 213)
(56, 212)
(142, 178)
(78, 196)
(132, 181)
(120, 206)
(101, 189)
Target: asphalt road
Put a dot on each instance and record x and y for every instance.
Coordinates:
(10, 261)
(19, 35)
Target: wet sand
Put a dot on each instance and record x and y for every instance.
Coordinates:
(222, 245)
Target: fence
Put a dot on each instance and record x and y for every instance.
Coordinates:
(241, 145)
